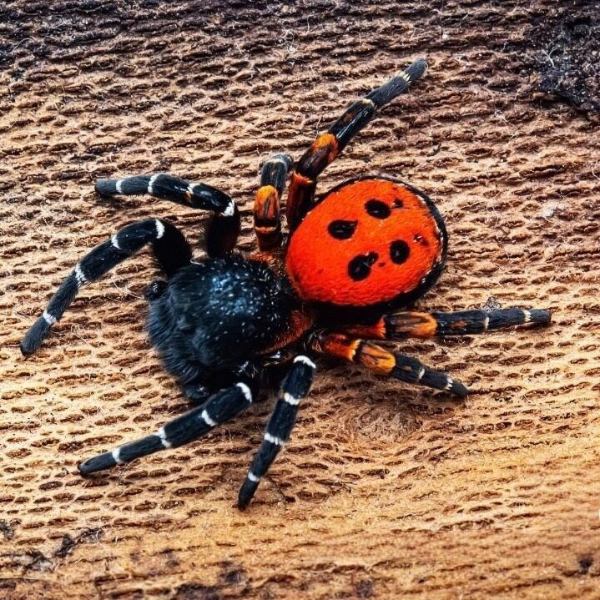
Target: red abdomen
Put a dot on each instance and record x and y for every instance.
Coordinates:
(368, 242)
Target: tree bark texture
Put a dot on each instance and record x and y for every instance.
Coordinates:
(386, 490)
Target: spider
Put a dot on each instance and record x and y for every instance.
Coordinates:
(354, 260)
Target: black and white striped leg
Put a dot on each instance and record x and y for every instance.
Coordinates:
(478, 321)
(411, 370)
(403, 324)
(219, 408)
(294, 387)
(170, 249)
(223, 229)
(207, 382)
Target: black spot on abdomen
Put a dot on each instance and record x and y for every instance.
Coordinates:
(378, 209)
(399, 252)
(342, 230)
(359, 267)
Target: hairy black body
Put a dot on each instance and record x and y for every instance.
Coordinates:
(217, 315)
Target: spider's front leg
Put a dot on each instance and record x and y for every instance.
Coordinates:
(294, 387)
(196, 423)
(382, 362)
(223, 229)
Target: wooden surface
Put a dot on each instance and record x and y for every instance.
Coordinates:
(386, 490)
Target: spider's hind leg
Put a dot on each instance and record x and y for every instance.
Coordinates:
(170, 248)
(381, 361)
(328, 145)
(294, 387)
(405, 324)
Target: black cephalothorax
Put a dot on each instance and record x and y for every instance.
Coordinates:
(222, 324)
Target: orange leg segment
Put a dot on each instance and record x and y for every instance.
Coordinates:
(381, 361)
(267, 220)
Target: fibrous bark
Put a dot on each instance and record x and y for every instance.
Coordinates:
(386, 490)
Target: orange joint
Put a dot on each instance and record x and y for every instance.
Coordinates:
(266, 204)
(376, 331)
(300, 195)
(299, 180)
(265, 230)
(337, 344)
(326, 142)
(411, 324)
(376, 359)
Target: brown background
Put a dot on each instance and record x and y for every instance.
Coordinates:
(386, 490)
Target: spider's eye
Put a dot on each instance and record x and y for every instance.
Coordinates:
(359, 267)
(378, 209)
(342, 230)
(399, 251)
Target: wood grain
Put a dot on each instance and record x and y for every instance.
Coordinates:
(386, 490)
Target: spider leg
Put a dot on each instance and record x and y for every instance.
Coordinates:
(383, 362)
(294, 387)
(196, 391)
(207, 382)
(222, 406)
(329, 145)
(170, 249)
(222, 230)
(400, 325)
(267, 218)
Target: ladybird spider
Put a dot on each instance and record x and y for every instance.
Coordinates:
(352, 259)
